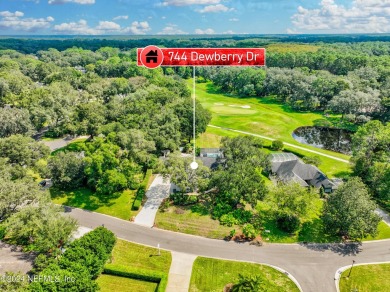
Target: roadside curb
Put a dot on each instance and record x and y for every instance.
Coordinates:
(337, 275)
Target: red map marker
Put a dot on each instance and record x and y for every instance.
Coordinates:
(151, 57)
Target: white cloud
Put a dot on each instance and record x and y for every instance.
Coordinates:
(234, 19)
(188, 2)
(81, 27)
(205, 31)
(71, 1)
(215, 8)
(138, 27)
(228, 32)
(172, 29)
(363, 16)
(16, 22)
(121, 17)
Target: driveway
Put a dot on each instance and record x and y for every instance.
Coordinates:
(313, 265)
(158, 191)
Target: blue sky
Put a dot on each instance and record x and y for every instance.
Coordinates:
(138, 17)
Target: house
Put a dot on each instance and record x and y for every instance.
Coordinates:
(151, 56)
(288, 167)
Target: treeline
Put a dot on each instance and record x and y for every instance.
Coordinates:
(32, 45)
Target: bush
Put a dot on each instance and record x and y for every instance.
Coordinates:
(220, 209)
(242, 216)
(314, 160)
(277, 145)
(3, 231)
(228, 220)
(135, 273)
(249, 231)
(141, 191)
(136, 205)
(288, 222)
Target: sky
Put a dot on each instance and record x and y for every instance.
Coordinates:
(167, 17)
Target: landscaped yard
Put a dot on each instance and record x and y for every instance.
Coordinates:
(109, 283)
(183, 219)
(212, 275)
(119, 206)
(136, 259)
(366, 278)
(263, 116)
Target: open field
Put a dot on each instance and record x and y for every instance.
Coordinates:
(212, 275)
(285, 47)
(109, 283)
(366, 278)
(263, 116)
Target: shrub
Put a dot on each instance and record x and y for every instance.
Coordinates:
(3, 231)
(277, 145)
(220, 209)
(249, 231)
(136, 205)
(288, 222)
(314, 160)
(242, 216)
(228, 220)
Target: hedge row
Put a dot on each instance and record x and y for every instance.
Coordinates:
(141, 191)
(161, 279)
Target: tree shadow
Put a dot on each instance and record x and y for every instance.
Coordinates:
(343, 249)
(313, 231)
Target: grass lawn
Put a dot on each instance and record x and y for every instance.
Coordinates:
(139, 256)
(366, 278)
(212, 275)
(263, 116)
(109, 283)
(119, 206)
(185, 220)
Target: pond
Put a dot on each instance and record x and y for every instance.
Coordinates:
(326, 138)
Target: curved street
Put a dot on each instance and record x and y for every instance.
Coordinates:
(313, 265)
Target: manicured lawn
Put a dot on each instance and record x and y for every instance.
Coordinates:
(212, 275)
(181, 219)
(139, 256)
(366, 278)
(137, 259)
(117, 206)
(109, 283)
(263, 116)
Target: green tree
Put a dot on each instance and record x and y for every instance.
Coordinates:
(15, 282)
(349, 211)
(23, 151)
(292, 198)
(67, 170)
(43, 228)
(179, 171)
(277, 145)
(14, 121)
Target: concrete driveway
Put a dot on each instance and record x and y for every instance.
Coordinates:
(158, 191)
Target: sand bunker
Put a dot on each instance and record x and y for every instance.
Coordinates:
(241, 106)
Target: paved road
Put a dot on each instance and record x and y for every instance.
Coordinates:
(313, 265)
(158, 191)
(285, 143)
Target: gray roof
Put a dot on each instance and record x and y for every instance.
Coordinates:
(210, 150)
(210, 162)
(290, 168)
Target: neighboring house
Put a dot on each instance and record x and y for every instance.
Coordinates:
(210, 152)
(288, 167)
